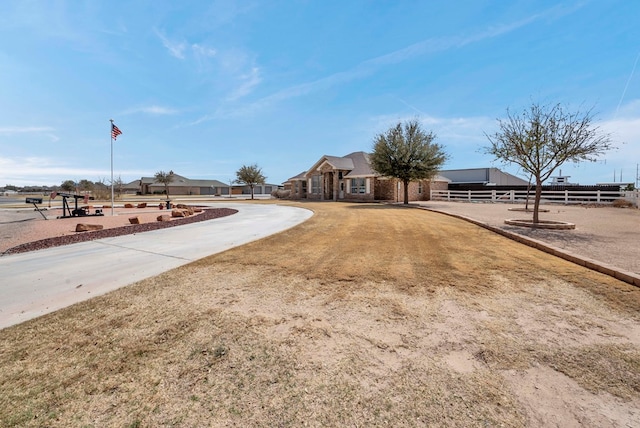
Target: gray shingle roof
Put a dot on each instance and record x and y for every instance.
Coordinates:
(344, 163)
(179, 180)
(361, 166)
(300, 176)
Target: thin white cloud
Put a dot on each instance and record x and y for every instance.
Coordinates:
(203, 55)
(152, 110)
(180, 49)
(464, 137)
(452, 131)
(176, 49)
(424, 47)
(625, 134)
(11, 130)
(248, 82)
(203, 51)
(25, 130)
(25, 171)
(629, 110)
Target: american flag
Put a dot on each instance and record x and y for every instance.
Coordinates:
(115, 131)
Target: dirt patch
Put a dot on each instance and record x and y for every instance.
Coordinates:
(602, 232)
(364, 315)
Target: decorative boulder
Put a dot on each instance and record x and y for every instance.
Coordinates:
(142, 205)
(197, 210)
(134, 220)
(164, 217)
(85, 227)
(186, 208)
(128, 205)
(178, 213)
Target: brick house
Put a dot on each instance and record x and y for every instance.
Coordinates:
(350, 178)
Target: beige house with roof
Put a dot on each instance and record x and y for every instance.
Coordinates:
(350, 178)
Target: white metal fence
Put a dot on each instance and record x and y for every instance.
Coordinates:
(548, 196)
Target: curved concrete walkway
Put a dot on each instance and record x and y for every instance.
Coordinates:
(39, 282)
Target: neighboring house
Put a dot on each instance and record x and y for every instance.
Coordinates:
(131, 188)
(183, 186)
(258, 189)
(482, 176)
(351, 178)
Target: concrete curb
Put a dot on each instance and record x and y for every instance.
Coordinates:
(612, 271)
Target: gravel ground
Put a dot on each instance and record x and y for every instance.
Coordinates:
(603, 233)
(25, 230)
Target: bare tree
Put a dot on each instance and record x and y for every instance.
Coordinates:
(543, 137)
(118, 185)
(250, 175)
(165, 178)
(407, 153)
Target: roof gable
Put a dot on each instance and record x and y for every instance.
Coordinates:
(356, 163)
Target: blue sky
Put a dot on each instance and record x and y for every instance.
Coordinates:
(204, 87)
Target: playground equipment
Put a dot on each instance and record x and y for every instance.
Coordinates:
(76, 212)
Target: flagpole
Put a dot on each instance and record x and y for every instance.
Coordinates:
(111, 133)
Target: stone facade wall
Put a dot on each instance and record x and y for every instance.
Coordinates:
(379, 190)
(389, 190)
(385, 190)
(438, 185)
(298, 191)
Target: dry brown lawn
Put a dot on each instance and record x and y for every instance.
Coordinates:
(365, 315)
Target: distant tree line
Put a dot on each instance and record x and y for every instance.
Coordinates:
(98, 189)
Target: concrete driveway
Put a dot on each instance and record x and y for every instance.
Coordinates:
(39, 282)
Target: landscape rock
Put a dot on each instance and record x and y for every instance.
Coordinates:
(86, 227)
(134, 220)
(189, 210)
(164, 217)
(142, 205)
(178, 213)
(128, 205)
(67, 239)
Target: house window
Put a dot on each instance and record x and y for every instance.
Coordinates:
(419, 187)
(315, 184)
(358, 185)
